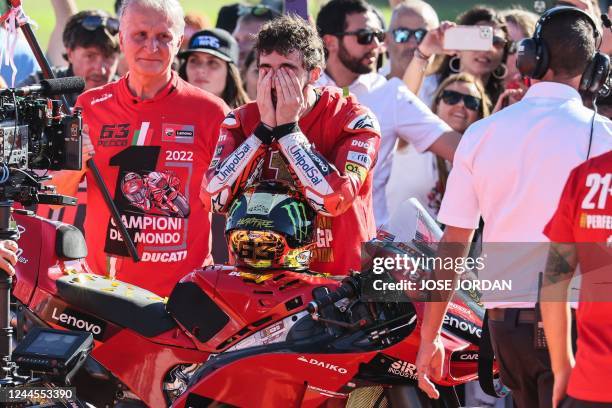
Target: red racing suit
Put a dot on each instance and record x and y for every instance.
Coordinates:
(152, 155)
(328, 156)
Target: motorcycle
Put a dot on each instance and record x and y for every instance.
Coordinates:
(229, 336)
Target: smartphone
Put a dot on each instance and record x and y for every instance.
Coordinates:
(472, 38)
(299, 7)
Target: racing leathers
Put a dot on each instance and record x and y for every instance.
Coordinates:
(328, 155)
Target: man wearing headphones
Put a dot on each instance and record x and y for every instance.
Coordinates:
(510, 168)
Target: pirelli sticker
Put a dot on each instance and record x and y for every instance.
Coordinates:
(360, 171)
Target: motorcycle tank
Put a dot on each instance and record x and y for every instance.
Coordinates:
(221, 305)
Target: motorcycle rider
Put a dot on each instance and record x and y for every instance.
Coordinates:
(324, 143)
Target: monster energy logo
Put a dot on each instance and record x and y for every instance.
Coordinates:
(233, 208)
(297, 214)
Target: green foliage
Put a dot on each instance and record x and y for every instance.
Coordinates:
(42, 13)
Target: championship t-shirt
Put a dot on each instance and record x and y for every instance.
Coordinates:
(584, 216)
(152, 155)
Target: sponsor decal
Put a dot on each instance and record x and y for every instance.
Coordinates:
(297, 215)
(454, 322)
(271, 330)
(164, 257)
(385, 236)
(177, 133)
(356, 169)
(213, 163)
(323, 364)
(255, 223)
(360, 158)
(20, 258)
(206, 41)
(364, 121)
(229, 121)
(595, 221)
(101, 99)
(114, 135)
(218, 150)
(319, 161)
(229, 166)
(301, 160)
(327, 392)
(403, 369)
(465, 356)
(71, 319)
(364, 145)
(260, 204)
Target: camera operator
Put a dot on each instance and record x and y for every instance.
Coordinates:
(153, 135)
(92, 50)
(510, 168)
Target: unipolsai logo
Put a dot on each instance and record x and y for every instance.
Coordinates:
(297, 214)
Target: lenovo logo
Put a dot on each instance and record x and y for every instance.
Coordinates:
(74, 322)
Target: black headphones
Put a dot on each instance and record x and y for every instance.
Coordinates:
(533, 56)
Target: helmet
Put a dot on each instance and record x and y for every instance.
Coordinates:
(271, 226)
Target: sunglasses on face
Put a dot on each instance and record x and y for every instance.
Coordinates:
(402, 35)
(453, 98)
(365, 36)
(92, 23)
(499, 42)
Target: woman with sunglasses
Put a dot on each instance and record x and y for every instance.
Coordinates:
(460, 100)
(489, 67)
(210, 62)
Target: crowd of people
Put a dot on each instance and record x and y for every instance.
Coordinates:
(359, 114)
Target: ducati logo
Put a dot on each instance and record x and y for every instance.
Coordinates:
(323, 364)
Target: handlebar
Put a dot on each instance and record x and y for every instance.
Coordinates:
(348, 288)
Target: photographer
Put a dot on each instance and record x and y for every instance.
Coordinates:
(92, 50)
(153, 136)
(510, 168)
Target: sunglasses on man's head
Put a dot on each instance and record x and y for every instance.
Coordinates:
(92, 23)
(365, 36)
(402, 35)
(260, 10)
(453, 98)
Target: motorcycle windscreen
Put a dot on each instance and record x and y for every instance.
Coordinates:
(413, 235)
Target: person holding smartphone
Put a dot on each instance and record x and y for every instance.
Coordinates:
(353, 37)
(489, 66)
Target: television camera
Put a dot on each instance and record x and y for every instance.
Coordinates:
(37, 135)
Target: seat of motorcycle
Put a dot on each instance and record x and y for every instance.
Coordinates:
(117, 302)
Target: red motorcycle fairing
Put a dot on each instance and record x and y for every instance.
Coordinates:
(270, 380)
(234, 304)
(142, 364)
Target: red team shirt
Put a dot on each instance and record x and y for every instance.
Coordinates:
(152, 155)
(584, 216)
(328, 159)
